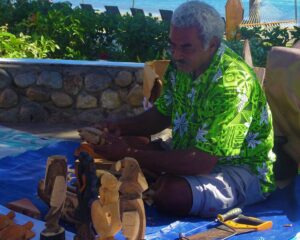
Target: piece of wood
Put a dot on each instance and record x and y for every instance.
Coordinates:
(247, 53)
(55, 185)
(91, 135)
(131, 223)
(26, 207)
(152, 71)
(7, 220)
(87, 192)
(260, 73)
(133, 184)
(17, 232)
(234, 16)
(103, 164)
(105, 211)
(297, 44)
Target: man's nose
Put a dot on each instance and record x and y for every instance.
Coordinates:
(176, 54)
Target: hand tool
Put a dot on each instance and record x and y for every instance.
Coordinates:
(233, 213)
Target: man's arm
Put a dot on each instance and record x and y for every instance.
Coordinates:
(145, 124)
(179, 162)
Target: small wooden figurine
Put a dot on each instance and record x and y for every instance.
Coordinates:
(87, 181)
(55, 187)
(133, 184)
(17, 232)
(106, 210)
(7, 220)
(91, 135)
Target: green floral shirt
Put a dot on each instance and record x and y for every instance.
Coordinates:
(223, 112)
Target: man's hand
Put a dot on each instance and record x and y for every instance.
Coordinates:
(114, 149)
(109, 127)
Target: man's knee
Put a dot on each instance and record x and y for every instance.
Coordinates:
(174, 195)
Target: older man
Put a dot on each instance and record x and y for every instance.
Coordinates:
(222, 135)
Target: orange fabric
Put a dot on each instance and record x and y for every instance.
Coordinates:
(85, 147)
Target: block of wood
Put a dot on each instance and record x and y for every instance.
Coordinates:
(26, 207)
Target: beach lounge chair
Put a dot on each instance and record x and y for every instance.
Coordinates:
(112, 10)
(87, 7)
(166, 15)
(136, 11)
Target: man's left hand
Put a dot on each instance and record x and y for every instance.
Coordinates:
(114, 149)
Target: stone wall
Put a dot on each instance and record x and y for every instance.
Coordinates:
(68, 91)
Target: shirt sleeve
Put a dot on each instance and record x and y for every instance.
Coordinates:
(225, 116)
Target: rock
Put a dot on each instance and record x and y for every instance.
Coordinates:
(96, 82)
(8, 98)
(139, 76)
(37, 94)
(123, 79)
(11, 115)
(61, 116)
(61, 99)
(135, 96)
(110, 99)
(91, 116)
(85, 101)
(73, 84)
(50, 79)
(120, 112)
(32, 112)
(123, 92)
(24, 80)
(5, 79)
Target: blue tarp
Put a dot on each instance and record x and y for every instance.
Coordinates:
(19, 176)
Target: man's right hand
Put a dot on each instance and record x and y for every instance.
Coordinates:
(109, 127)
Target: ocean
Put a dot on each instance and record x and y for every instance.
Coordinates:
(269, 9)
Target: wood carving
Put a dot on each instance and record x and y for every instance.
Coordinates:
(87, 180)
(133, 184)
(106, 210)
(17, 232)
(55, 186)
(91, 135)
(7, 220)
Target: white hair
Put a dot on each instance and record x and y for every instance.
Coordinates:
(201, 15)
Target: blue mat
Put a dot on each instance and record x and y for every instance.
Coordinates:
(20, 174)
(14, 142)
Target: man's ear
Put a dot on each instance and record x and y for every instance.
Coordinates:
(213, 45)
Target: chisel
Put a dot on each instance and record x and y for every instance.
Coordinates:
(233, 213)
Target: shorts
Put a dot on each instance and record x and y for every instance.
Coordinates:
(225, 188)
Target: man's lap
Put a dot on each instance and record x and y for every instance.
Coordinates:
(225, 188)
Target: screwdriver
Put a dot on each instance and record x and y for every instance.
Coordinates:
(231, 214)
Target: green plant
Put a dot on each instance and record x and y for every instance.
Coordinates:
(275, 37)
(295, 34)
(22, 46)
(248, 33)
(142, 38)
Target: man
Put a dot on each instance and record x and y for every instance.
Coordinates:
(222, 132)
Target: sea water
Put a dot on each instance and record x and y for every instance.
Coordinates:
(269, 9)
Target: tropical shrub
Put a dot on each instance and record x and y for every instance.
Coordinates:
(23, 46)
(82, 34)
(295, 34)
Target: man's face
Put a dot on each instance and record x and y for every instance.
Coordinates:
(188, 51)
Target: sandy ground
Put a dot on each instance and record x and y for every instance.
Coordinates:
(59, 130)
